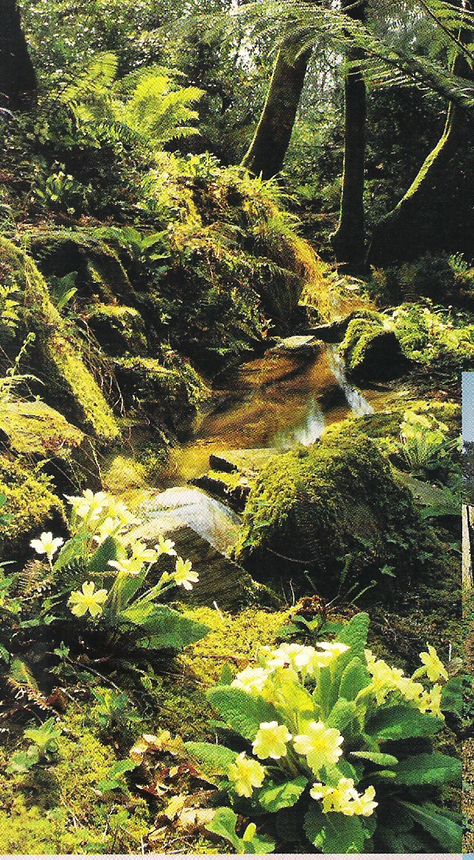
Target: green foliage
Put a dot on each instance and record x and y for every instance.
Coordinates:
(145, 106)
(341, 763)
(425, 444)
(44, 746)
(224, 824)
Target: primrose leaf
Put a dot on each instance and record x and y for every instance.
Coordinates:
(401, 722)
(215, 759)
(355, 678)
(242, 712)
(275, 797)
(440, 826)
(429, 769)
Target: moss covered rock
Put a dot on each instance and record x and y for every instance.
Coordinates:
(118, 329)
(59, 252)
(42, 434)
(31, 506)
(313, 511)
(165, 394)
(372, 350)
(57, 359)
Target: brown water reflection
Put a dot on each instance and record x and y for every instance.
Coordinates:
(274, 401)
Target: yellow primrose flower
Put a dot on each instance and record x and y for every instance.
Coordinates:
(410, 690)
(90, 505)
(271, 741)
(184, 574)
(385, 679)
(108, 528)
(130, 566)
(47, 545)
(365, 803)
(88, 600)
(251, 680)
(141, 554)
(431, 702)
(246, 774)
(118, 510)
(433, 665)
(335, 649)
(320, 745)
(300, 658)
(165, 547)
(345, 798)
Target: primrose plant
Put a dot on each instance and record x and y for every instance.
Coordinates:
(107, 577)
(336, 748)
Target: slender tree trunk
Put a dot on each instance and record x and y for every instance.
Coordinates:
(267, 151)
(349, 239)
(437, 211)
(17, 76)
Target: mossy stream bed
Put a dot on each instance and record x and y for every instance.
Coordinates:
(287, 398)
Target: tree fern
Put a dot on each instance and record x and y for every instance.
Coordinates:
(433, 36)
(147, 106)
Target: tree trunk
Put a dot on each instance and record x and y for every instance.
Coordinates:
(437, 212)
(267, 151)
(349, 239)
(18, 83)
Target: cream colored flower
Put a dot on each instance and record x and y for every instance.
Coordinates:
(271, 741)
(118, 510)
(142, 554)
(345, 798)
(433, 665)
(90, 505)
(47, 545)
(251, 680)
(88, 600)
(246, 774)
(109, 527)
(165, 547)
(130, 566)
(320, 745)
(184, 574)
(431, 702)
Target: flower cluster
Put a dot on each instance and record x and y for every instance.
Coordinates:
(387, 680)
(98, 518)
(318, 745)
(345, 798)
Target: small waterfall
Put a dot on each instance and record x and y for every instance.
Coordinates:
(306, 433)
(355, 399)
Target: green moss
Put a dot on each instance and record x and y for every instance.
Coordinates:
(57, 809)
(312, 510)
(58, 361)
(371, 349)
(31, 504)
(161, 392)
(35, 428)
(233, 640)
(118, 329)
(59, 252)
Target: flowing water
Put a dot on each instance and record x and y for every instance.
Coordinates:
(275, 401)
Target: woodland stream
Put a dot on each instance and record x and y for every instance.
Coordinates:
(275, 401)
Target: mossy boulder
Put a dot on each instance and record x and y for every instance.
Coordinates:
(316, 511)
(371, 350)
(165, 394)
(118, 329)
(58, 252)
(42, 434)
(31, 506)
(57, 358)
